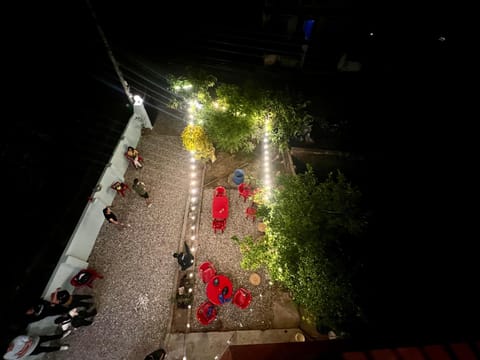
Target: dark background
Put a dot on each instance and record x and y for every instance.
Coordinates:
(65, 110)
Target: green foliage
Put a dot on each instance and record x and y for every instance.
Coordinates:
(233, 116)
(254, 252)
(303, 247)
(289, 116)
(194, 139)
(230, 120)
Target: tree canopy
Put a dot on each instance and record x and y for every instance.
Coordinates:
(234, 117)
(305, 245)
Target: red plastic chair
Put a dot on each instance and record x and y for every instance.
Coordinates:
(120, 187)
(207, 271)
(131, 160)
(242, 298)
(251, 212)
(220, 191)
(206, 313)
(85, 277)
(244, 191)
(219, 224)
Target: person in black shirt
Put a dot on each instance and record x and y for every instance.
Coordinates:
(185, 259)
(112, 218)
(43, 309)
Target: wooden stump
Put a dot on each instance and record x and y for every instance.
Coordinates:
(261, 227)
(255, 279)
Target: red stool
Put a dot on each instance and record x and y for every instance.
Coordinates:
(251, 212)
(218, 224)
(206, 313)
(85, 278)
(242, 298)
(220, 191)
(207, 271)
(244, 191)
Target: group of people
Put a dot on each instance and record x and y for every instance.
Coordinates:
(121, 187)
(70, 311)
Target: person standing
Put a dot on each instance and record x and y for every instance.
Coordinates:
(140, 188)
(42, 309)
(112, 218)
(76, 318)
(65, 299)
(25, 345)
(185, 259)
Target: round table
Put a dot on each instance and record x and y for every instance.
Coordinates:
(219, 290)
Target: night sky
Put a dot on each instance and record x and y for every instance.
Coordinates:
(68, 110)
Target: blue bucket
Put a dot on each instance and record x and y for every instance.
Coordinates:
(238, 176)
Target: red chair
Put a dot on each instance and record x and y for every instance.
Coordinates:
(85, 278)
(242, 298)
(219, 224)
(206, 313)
(220, 191)
(132, 160)
(120, 187)
(244, 191)
(251, 212)
(207, 271)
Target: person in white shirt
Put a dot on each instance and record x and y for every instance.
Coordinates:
(26, 345)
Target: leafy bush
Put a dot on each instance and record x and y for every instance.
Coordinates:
(303, 247)
(194, 139)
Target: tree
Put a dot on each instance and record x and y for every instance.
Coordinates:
(234, 117)
(305, 247)
(194, 139)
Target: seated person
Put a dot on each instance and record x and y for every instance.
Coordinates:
(120, 187)
(134, 156)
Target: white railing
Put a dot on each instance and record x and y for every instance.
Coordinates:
(78, 249)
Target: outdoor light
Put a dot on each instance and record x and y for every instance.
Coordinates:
(138, 100)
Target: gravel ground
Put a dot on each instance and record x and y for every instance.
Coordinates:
(135, 298)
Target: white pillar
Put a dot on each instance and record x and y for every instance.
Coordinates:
(140, 111)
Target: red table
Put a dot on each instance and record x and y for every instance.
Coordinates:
(219, 290)
(220, 207)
